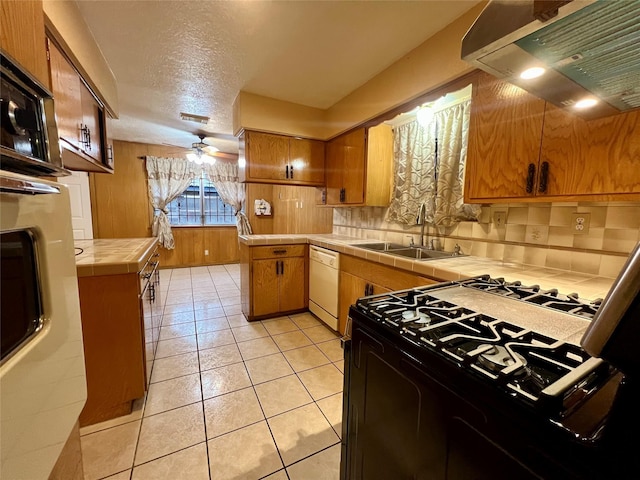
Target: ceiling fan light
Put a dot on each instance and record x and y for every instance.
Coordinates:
(208, 159)
(209, 149)
(192, 157)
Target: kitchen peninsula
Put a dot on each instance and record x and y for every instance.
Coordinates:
(117, 281)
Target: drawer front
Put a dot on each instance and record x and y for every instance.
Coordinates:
(277, 251)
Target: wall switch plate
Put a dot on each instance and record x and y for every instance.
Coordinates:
(499, 219)
(580, 223)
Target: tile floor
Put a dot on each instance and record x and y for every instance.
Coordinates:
(228, 399)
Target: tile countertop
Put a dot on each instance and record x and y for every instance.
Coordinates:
(586, 286)
(112, 256)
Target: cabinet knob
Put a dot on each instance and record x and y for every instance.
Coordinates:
(291, 172)
(544, 177)
(531, 174)
(287, 171)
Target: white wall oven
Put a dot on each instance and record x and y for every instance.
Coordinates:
(42, 371)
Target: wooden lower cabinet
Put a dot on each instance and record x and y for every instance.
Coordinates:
(274, 280)
(360, 278)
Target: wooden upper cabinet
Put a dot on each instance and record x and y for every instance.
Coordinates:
(592, 157)
(280, 159)
(22, 36)
(505, 132)
(359, 167)
(80, 117)
(523, 148)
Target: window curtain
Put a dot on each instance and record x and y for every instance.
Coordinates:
(414, 150)
(453, 136)
(224, 177)
(168, 178)
(429, 168)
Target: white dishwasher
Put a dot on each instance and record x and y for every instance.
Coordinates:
(324, 276)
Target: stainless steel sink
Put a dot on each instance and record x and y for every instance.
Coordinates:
(416, 253)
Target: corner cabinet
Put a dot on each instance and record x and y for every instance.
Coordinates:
(280, 159)
(359, 167)
(522, 148)
(274, 280)
(81, 117)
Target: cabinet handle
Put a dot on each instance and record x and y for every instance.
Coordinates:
(531, 177)
(287, 171)
(280, 251)
(544, 177)
(277, 267)
(291, 172)
(281, 267)
(343, 194)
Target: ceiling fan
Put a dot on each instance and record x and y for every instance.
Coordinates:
(201, 152)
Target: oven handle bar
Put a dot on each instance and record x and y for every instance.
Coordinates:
(24, 187)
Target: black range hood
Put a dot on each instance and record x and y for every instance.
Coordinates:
(587, 48)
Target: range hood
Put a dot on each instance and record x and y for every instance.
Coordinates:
(587, 48)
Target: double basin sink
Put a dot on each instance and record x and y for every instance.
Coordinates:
(412, 252)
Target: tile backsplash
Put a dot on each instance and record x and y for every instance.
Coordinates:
(542, 235)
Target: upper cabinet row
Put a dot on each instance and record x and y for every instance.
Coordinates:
(356, 167)
(522, 148)
(81, 117)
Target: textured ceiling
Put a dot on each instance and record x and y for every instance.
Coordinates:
(195, 56)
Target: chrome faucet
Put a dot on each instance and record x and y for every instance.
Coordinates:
(422, 220)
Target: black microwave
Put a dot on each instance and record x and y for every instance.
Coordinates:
(28, 129)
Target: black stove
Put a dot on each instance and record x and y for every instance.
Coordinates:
(484, 335)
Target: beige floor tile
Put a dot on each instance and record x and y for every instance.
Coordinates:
(305, 358)
(176, 366)
(324, 465)
(258, 347)
(181, 308)
(232, 310)
(301, 432)
(169, 432)
(237, 320)
(339, 365)
(259, 455)
(268, 368)
(281, 395)
(173, 393)
(188, 464)
(332, 349)
(212, 325)
(332, 409)
(177, 330)
(224, 380)
(137, 410)
(215, 339)
(280, 475)
(109, 451)
(179, 296)
(176, 346)
(126, 475)
(219, 357)
(228, 300)
(249, 332)
(291, 340)
(231, 411)
(320, 334)
(305, 320)
(180, 317)
(279, 325)
(322, 381)
(208, 313)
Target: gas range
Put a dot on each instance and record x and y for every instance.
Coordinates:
(516, 337)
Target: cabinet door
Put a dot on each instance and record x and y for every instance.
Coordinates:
(267, 156)
(353, 169)
(351, 289)
(265, 287)
(67, 95)
(504, 139)
(306, 161)
(92, 123)
(591, 157)
(333, 170)
(291, 284)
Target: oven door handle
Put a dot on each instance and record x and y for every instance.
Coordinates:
(25, 187)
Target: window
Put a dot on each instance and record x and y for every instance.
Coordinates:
(200, 204)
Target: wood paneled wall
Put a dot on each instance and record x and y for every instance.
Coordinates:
(294, 210)
(121, 209)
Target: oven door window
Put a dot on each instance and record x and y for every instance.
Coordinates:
(21, 314)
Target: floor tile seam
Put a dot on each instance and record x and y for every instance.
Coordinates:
(204, 416)
(160, 457)
(283, 469)
(339, 434)
(290, 409)
(315, 453)
(173, 378)
(263, 419)
(109, 428)
(117, 473)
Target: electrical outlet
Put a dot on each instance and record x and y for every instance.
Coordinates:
(499, 219)
(206, 252)
(580, 223)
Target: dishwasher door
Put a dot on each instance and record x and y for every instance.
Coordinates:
(324, 274)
